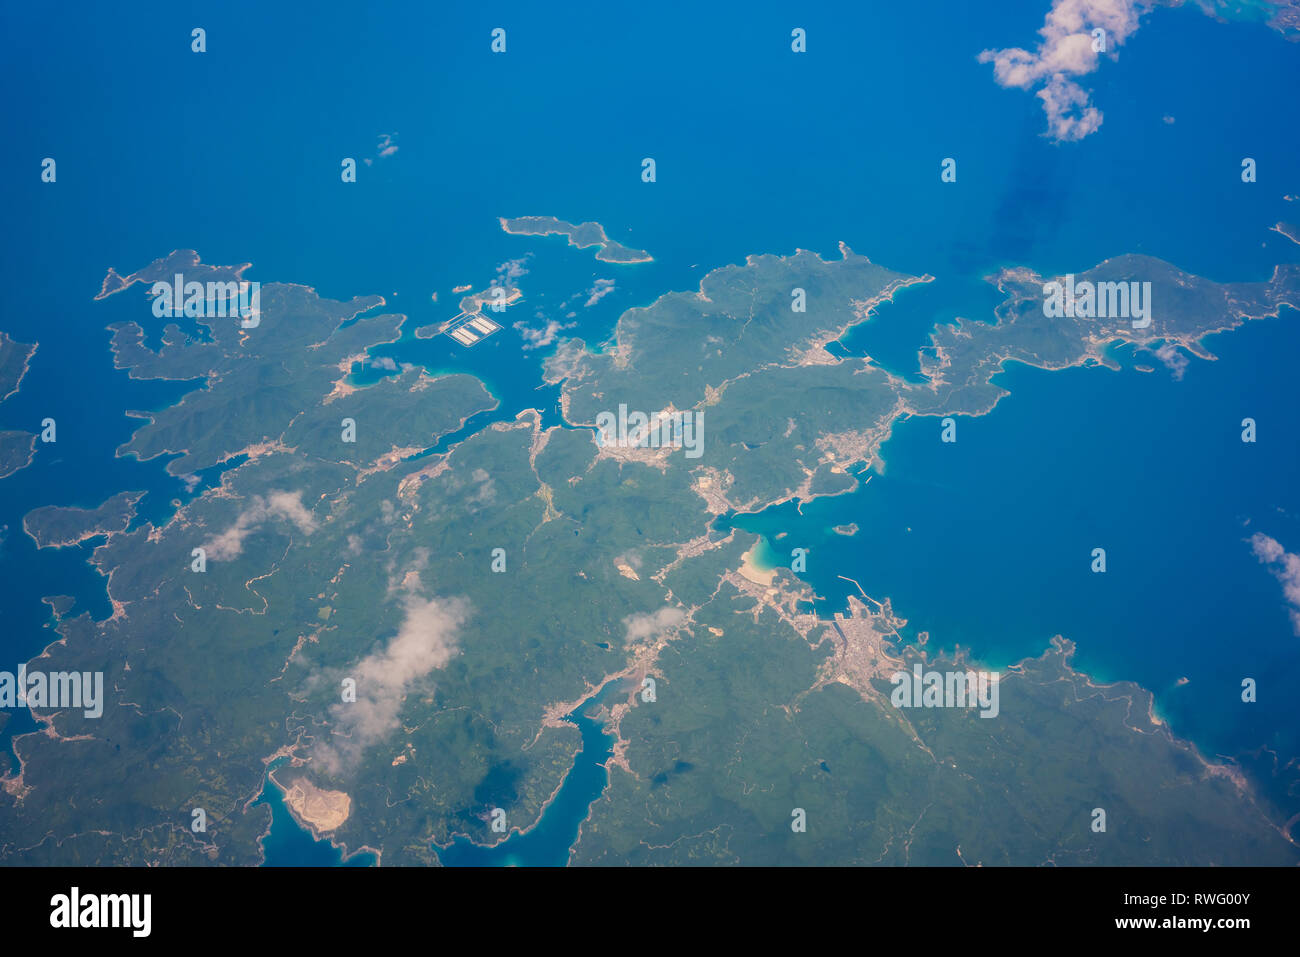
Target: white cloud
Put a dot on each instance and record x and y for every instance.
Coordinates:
(285, 505)
(602, 288)
(426, 640)
(1285, 567)
(507, 272)
(487, 492)
(545, 336)
(640, 627)
(385, 149)
(1067, 50)
(1070, 116)
(1174, 360)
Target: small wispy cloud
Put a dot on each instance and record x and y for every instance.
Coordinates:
(602, 288)
(538, 338)
(1285, 567)
(486, 491)
(385, 149)
(1174, 360)
(1070, 113)
(514, 269)
(426, 640)
(282, 505)
(651, 624)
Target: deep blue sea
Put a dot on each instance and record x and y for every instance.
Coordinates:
(236, 153)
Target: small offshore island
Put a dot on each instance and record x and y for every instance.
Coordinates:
(582, 236)
(57, 526)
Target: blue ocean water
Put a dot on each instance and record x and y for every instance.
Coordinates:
(236, 153)
(986, 543)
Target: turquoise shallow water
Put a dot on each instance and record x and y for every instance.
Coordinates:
(758, 152)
